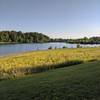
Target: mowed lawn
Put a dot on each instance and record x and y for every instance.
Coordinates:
(78, 82)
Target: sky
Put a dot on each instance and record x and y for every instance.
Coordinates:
(55, 18)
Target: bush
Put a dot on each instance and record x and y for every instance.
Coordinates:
(64, 47)
(78, 46)
(50, 47)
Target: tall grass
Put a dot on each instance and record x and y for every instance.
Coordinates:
(37, 61)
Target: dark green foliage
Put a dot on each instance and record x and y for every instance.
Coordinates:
(19, 37)
(78, 46)
(64, 47)
(85, 40)
(58, 40)
(50, 47)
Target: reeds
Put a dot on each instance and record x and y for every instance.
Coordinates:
(31, 62)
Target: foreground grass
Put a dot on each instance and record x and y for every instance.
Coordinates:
(37, 61)
(79, 82)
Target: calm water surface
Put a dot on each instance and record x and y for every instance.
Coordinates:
(6, 49)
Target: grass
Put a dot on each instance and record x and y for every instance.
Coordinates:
(19, 65)
(78, 82)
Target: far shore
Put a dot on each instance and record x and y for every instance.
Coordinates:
(8, 42)
(46, 42)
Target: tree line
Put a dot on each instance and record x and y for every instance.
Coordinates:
(85, 40)
(20, 37)
(35, 37)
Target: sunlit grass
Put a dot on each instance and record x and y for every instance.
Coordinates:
(25, 63)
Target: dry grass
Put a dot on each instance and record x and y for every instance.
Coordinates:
(25, 63)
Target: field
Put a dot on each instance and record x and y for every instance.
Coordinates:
(19, 65)
(78, 82)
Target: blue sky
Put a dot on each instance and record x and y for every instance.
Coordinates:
(56, 18)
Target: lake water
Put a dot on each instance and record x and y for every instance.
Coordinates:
(6, 49)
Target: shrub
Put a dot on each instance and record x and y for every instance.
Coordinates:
(50, 47)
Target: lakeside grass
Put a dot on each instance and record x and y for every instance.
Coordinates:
(79, 82)
(37, 61)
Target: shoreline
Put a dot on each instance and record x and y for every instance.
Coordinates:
(48, 42)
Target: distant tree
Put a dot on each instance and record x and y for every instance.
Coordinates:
(19, 37)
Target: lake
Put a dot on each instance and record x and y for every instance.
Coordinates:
(6, 49)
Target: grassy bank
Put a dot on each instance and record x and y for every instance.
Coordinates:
(37, 61)
(79, 82)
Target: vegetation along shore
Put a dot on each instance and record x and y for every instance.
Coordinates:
(36, 37)
(19, 65)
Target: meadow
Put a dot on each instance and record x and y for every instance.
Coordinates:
(23, 64)
(77, 82)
